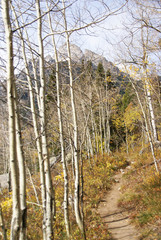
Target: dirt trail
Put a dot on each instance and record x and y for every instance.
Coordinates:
(117, 220)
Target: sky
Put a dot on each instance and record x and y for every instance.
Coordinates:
(105, 38)
(100, 38)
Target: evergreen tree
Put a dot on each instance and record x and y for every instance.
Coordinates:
(100, 74)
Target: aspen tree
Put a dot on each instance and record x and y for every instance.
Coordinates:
(147, 84)
(61, 132)
(15, 223)
(75, 131)
(49, 188)
(34, 117)
(147, 128)
(141, 56)
(22, 174)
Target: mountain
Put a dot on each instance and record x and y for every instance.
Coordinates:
(77, 56)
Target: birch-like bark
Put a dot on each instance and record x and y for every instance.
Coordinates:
(75, 140)
(32, 183)
(15, 223)
(61, 132)
(87, 131)
(100, 127)
(95, 134)
(81, 176)
(108, 111)
(70, 141)
(35, 75)
(49, 188)
(108, 132)
(147, 85)
(151, 111)
(35, 124)
(37, 136)
(147, 128)
(22, 175)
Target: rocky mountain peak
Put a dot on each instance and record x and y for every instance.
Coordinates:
(76, 53)
(77, 56)
(94, 57)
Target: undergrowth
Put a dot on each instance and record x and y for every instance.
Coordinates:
(142, 193)
(97, 173)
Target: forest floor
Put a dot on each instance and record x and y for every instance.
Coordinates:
(116, 218)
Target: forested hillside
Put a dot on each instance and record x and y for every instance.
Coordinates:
(72, 119)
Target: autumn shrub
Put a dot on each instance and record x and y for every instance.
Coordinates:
(97, 173)
(142, 193)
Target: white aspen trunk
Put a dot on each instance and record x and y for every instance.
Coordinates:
(100, 128)
(151, 111)
(147, 128)
(95, 138)
(88, 132)
(82, 194)
(15, 224)
(146, 84)
(93, 124)
(75, 140)
(61, 132)
(22, 168)
(38, 142)
(34, 68)
(108, 132)
(70, 140)
(49, 189)
(33, 111)
(36, 82)
(105, 137)
(104, 128)
(32, 183)
(66, 213)
(90, 142)
(35, 75)
(22, 176)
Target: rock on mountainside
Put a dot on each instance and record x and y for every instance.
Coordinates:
(96, 59)
(78, 55)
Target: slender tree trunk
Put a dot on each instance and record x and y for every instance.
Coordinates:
(35, 76)
(82, 195)
(75, 140)
(34, 188)
(33, 111)
(88, 132)
(147, 85)
(15, 224)
(151, 111)
(61, 132)
(147, 128)
(49, 188)
(108, 112)
(94, 129)
(22, 175)
(100, 128)
(108, 132)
